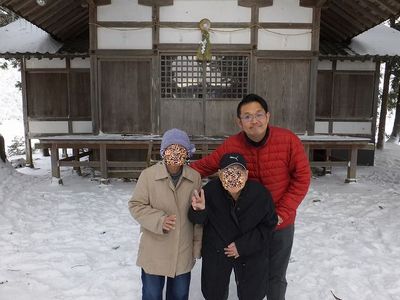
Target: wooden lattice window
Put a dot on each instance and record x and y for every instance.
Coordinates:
(184, 77)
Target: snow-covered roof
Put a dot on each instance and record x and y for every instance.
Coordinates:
(21, 36)
(380, 40)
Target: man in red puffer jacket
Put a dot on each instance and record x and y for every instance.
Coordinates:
(276, 158)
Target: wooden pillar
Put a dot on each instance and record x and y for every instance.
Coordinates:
(77, 169)
(103, 162)
(93, 68)
(55, 167)
(28, 146)
(352, 167)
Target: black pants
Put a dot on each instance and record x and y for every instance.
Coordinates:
(251, 276)
(279, 255)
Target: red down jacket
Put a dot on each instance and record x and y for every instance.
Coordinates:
(281, 165)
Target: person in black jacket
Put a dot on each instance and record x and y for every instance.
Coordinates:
(238, 218)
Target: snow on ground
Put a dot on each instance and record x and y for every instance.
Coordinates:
(78, 241)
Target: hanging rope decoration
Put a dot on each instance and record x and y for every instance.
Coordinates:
(204, 50)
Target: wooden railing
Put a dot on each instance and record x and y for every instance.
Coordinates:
(85, 145)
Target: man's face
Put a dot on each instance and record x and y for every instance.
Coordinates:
(253, 120)
(233, 178)
(175, 155)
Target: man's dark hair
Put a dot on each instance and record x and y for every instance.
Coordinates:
(251, 98)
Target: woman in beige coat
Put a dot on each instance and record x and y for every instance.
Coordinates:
(169, 242)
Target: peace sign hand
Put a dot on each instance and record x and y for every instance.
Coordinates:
(198, 200)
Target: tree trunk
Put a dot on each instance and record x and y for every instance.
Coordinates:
(395, 136)
(382, 116)
(2, 149)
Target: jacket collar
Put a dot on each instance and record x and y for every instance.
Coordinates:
(260, 143)
(162, 172)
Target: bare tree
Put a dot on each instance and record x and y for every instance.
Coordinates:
(395, 135)
(392, 67)
(384, 105)
(394, 97)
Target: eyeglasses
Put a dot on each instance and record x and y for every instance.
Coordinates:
(249, 118)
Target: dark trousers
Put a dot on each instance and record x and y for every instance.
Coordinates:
(280, 249)
(251, 275)
(177, 288)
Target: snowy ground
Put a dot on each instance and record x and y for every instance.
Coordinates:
(78, 241)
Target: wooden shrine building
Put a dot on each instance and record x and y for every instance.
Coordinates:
(136, 66)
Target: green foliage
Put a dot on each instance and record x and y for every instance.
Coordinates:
(17, 146)
(18, 85)
(6, 16)
(11, 62)
(14, 63)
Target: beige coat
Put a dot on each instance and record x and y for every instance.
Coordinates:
(155, 197)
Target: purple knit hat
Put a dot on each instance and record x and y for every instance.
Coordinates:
(179, 137)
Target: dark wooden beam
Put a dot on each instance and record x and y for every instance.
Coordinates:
(78, 33)
(54, 5)
(343, 17)
(350, 15)
(312, 3)
(56, 13)
(75, 29)
(66, 21)
(102, 2)
(335, 35)
(56, 18)
(386, 6)
(255, 3)
(371, 9)
(286, 25)
(156, 2)
(30, 9)
(20, 5)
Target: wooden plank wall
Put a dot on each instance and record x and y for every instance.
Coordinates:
(47, 94)
(80, 94)
(285, 85)
(58, 94)
(353, 95)
(345, 95)
(125, 96)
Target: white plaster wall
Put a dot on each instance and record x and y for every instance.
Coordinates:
(79, 63)
(124, 10)
(355, 65)
(215, 11)
(287, 11)
(81, 126)
(325, 65)
(284, 39)
(124, 38)
(48, 126)
(321, 127)
(351, 127)
(170, 35)
(45, 63)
